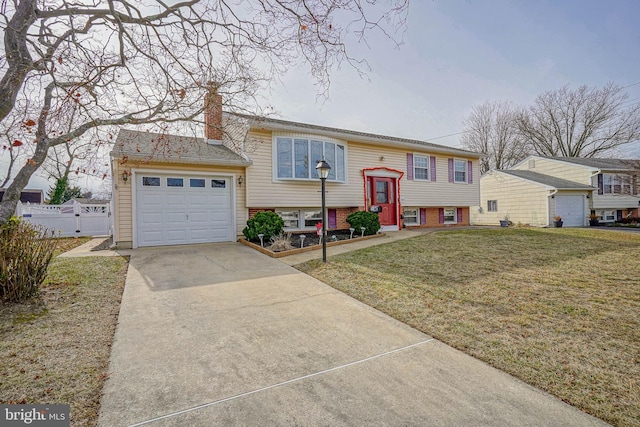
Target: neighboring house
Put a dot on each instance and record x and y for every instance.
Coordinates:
(540, 188)
(526, 197)
(172, 190)
(28, 196)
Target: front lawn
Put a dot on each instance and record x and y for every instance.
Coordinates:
(55, 347)
(557, 308)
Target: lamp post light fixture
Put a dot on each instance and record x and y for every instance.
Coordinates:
(323, 169)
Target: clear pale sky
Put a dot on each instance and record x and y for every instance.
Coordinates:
(459, 53)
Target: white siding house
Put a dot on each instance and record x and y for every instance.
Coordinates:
(530, 198)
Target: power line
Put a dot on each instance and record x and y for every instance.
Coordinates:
(445, 136)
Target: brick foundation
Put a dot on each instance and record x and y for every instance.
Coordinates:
(433, 219)
(341, 217)
(253, 211)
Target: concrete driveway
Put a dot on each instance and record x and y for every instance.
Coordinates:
(222, 335)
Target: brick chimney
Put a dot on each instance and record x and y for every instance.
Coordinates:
(213, 116)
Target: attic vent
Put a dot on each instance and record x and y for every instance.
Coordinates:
(532, 164)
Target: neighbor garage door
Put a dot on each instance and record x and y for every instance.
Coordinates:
(175, 209)
(571, 209)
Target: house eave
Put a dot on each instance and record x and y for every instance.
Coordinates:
(182, 160)
(379, 140)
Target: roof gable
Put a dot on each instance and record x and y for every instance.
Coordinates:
(592, 163)
(147, 146)
(547, 180)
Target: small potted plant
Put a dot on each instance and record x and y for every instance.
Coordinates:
(504, 222)
(557, 221)
(594, 220)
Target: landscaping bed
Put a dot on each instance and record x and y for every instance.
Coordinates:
(311, 242)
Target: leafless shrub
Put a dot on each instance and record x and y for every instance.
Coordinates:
(281, 242)
(25, 254)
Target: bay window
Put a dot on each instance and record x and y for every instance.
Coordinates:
(296, 158)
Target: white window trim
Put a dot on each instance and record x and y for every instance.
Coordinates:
(622, 180)
(455, 216)
(466, 171)
(417, 221)
(293, 136)
(489, 205)
(428, 167)
(301, 219)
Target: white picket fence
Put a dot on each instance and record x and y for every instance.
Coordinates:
(70, 220)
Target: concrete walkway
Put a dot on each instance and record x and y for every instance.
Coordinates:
(220, 334)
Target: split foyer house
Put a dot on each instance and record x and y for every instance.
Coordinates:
(171, 189)
(540, 188)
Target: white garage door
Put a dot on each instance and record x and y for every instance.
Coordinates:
(177, 209)
(571, 209)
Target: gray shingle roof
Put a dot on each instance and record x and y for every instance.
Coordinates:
(608, 164)
(551, 181)
(351, 135)
(137, 145)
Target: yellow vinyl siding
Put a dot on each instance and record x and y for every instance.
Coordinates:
(265, 190)
(559, 169)
(523, 201)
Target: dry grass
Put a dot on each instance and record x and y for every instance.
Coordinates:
(55, 349)
(558, 308)
(65, 244)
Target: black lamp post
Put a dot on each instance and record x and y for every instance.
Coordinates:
(323, 169)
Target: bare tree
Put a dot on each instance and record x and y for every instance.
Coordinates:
(491, 128)
(585, 122)
(73, 68)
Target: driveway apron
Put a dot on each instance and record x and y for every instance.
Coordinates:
(220, 334)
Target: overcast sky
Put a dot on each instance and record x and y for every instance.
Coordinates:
(459, 53)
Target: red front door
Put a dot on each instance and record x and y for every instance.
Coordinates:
(383, 194)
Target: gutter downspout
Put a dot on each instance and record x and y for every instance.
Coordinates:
(553, 193)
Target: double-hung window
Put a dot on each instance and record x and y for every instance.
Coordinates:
(297, 158)
(617, 184)
(450, 216)
(411, 216)
(460, 170)
(421, 167)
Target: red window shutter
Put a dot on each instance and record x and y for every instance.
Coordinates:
(470, 168)
(410, 166)
(460, 214)
(441, 216)
(423, 216)
(433, 168)
(450, 170)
